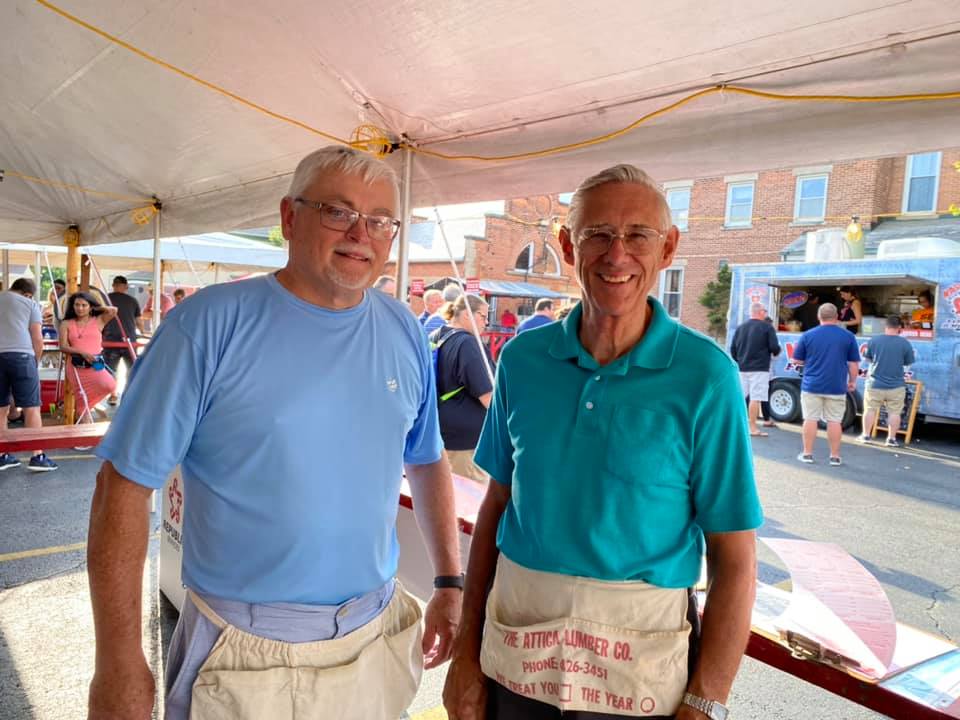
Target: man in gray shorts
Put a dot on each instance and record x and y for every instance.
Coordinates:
(831, 364)
(889, 354)
(754, 343)
(21, 345)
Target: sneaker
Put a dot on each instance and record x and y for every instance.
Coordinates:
(892, 443)
(835, 461)
(41, 463)
(8, 461)
(805, 458)
(864, 439)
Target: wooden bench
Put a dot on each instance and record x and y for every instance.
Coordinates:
(53, 437)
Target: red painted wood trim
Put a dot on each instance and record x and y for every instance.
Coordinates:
(54, 437)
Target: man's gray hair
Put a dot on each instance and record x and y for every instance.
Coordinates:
(618, 174)
(382, 281)
(339, 158)
(432, 293)
(828, 312)
(757, 308)
(451, 292)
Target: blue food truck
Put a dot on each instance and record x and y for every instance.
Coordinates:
(791, 291)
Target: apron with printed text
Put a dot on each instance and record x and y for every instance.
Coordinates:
(582, 644)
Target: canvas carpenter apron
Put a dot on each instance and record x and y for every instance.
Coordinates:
(628, 658)
(372, 673)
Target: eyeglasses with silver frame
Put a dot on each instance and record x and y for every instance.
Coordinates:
(382, 228)
(637, 239)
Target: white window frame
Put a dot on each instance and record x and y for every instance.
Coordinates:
(663, 288)
(796, 202)
(532, 256)
(753, 201)
(688, 189)
(908, 176)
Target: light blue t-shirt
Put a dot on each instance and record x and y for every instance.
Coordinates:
(616, 472)
(291, 423)
(533, 322)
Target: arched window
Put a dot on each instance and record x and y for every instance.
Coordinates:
(538, 259)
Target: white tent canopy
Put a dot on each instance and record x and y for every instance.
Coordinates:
(494, 78)
(182, 255)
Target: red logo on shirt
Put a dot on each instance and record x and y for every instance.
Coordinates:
(176, 499)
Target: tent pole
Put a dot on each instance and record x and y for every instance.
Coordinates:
(157, 270)
(6, 269)
(38, 269)
(71, 238)
(216, 273)
(403, 251)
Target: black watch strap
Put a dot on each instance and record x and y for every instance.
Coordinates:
(448, 581)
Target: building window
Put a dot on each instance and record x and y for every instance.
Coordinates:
(537, 259)
(739, 204)
(811, 203)
(679, 201)
(565, 198)
(671, 291)
(920, 183)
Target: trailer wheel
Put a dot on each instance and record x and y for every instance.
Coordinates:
(784, 401)
(850, 413)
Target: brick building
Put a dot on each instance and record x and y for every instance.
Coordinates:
(743, 218)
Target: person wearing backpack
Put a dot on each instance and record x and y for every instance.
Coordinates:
(464, 386)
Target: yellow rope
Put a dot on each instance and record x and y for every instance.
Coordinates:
(190, 76)
(78, 188)
(679, 103)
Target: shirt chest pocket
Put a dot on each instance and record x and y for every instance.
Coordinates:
(641, 449)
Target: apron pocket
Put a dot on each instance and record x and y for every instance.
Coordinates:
(249, 678)
(576, 664)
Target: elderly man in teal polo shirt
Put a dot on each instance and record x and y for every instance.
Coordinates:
(578, 599)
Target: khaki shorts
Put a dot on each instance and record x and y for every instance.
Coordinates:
(461, 462)
(829, 408)
(893, 399)
(755, 385)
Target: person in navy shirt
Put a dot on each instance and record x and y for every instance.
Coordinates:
(543, 315)
(289, 530)
(830, 358)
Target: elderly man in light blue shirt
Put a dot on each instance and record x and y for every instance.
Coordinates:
(289, 543)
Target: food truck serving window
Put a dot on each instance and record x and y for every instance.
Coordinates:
(911, 298)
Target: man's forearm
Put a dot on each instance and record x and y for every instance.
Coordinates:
(116, 551)
(480, 569)
(726, 625)
(433, 504)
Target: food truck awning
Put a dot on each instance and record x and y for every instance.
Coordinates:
(847, 279)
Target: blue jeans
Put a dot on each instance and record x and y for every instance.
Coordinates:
(195, 636)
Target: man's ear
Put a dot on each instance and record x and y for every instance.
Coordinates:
(566, 244)
(669, 248)
(286, 217)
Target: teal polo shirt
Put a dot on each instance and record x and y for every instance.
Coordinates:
(616, 472)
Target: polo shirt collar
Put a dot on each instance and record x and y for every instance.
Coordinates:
(654, 351)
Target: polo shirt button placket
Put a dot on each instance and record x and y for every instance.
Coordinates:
(589, 405)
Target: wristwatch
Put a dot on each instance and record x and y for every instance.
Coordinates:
(448, 581)
(711, 708)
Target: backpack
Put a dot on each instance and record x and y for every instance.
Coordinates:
(436, 342)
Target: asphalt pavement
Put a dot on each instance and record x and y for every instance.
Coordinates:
(897, 512)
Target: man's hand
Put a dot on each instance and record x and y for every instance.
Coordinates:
(852, 385)
(122, 693)
(441, 619)
(465, 692)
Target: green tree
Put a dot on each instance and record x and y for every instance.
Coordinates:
(46, 283)
(276, 236)
(716, 299)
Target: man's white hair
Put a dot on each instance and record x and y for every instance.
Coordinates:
(618, 174)
(339, 158)
(432, 293)
(757, 308)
